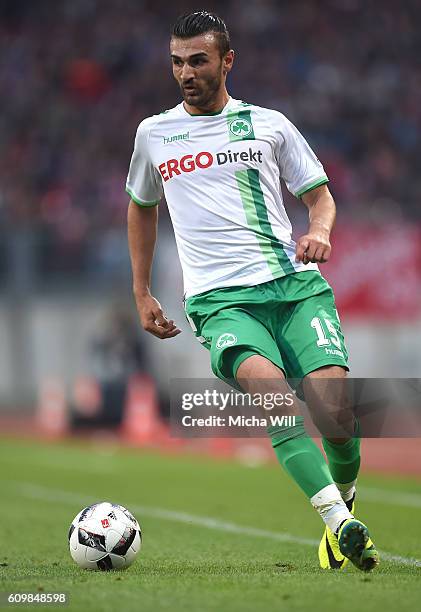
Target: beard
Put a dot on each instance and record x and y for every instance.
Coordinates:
(203, 93)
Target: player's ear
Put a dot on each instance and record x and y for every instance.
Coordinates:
(228, 61)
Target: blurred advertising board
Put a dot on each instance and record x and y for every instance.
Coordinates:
(376, 271)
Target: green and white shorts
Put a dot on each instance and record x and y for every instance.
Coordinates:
(292, 321)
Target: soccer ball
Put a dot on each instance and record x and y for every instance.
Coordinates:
(104, 536)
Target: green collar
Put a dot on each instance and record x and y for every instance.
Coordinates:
(207, 114)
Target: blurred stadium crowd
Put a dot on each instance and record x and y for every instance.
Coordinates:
(77, 77)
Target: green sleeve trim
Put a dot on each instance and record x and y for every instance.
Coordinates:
(320, 181)
(141, 202)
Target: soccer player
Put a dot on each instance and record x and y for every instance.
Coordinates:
(254, 297)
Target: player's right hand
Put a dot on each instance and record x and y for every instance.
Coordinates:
(153, 319)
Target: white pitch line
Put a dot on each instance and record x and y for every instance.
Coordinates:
(391, 498)
(53, 495)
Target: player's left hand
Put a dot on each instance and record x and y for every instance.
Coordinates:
(313, 247)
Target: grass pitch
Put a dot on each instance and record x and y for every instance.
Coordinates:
(217, 535)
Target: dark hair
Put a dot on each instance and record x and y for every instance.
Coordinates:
(201, 22)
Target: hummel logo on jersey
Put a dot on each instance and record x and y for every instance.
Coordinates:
(176, 138)
(204, 159)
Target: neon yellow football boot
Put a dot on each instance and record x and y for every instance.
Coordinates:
(330, 556)
(356, 545)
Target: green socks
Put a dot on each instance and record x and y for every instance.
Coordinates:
(344, 459)
(300, 457)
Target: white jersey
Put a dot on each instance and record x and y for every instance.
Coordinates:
(221, 176)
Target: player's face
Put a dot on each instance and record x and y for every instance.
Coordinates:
(199, 69)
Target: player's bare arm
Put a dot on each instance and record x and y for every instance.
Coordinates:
(315, 245)
(142, 223)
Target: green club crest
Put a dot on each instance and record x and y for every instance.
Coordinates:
(240, 127)
(226, 340)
